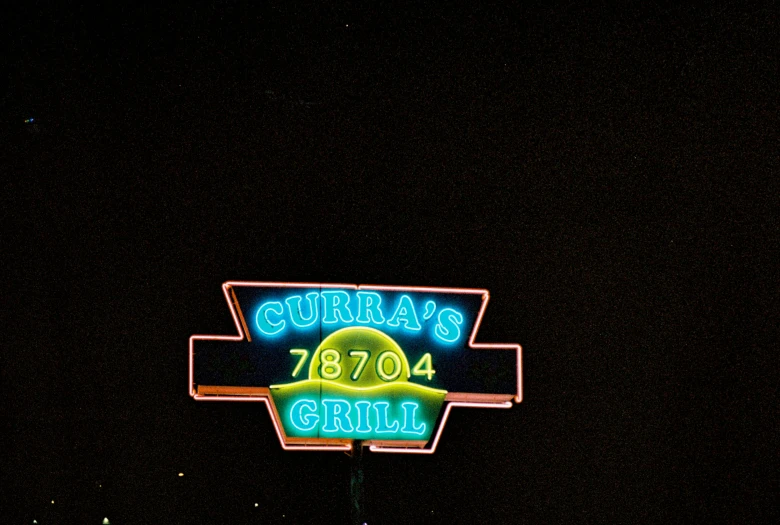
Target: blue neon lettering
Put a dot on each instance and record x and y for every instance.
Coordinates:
(362, 412)
(339, 417)
(294, 305)
(382, 426)
(410, 410)
(265, 325)
(271, 318)
(430, 307)
(336, 411)
(405, 313)
(447, 329)
(368, 308)
(336, 307)
(301, 421)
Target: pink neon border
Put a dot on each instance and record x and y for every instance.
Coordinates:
(347, 447)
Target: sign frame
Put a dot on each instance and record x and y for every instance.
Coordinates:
(263, 394)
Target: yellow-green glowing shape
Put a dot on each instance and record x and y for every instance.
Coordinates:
(363, 356)
(350, 375)
(424, 367)
(356, 338)
(303, 355)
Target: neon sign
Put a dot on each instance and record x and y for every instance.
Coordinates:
(335, 364)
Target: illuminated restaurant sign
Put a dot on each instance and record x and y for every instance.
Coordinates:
(338, 363)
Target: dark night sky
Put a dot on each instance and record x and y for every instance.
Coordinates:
(610, 176)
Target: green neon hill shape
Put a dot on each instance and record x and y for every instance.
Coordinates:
(369, 386)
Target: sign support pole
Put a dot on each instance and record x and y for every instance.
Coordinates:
(356, 483)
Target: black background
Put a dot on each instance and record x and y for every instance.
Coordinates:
(609, 175)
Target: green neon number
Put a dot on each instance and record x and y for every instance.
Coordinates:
(330, 359)
(424, 367)
(304, 355)
(380, 366)
(363, 355)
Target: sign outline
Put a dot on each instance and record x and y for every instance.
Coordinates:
(263, 394)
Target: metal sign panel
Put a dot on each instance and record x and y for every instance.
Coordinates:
(340, 363)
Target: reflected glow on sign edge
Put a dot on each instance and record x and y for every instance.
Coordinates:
(518, 398)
